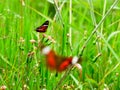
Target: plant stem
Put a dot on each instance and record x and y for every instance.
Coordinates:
(98, 25)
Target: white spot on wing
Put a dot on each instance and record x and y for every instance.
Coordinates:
(74, 60)
(45, 25)
(46, 50)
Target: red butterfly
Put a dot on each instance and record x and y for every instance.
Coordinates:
(43, 27)
(58, 63)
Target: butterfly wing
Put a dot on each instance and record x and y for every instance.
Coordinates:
(51, 62)
(43, 27)
(65, 62)
(58, 63)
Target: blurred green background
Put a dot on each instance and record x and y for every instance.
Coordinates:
(100, 65)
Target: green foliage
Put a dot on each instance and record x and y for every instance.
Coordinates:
(22, 66)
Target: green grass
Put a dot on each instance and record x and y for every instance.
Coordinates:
(101, 61)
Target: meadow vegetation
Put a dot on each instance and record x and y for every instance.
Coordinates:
(86, 28)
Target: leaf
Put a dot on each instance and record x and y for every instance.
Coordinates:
(112, 34)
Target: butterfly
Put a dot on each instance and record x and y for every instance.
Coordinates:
(58, 63)
(43, 27)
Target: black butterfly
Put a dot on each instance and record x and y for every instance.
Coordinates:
(43, 27)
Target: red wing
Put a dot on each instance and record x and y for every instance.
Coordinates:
(43, 27)
(64, 64)
(58, 63)
(51, 62)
